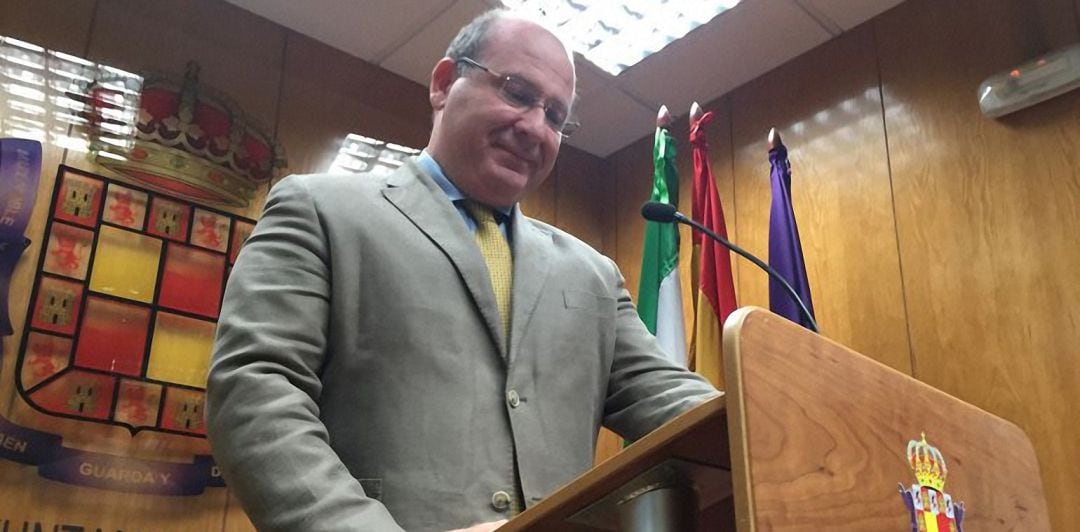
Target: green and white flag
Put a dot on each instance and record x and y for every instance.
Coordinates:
(660, 294)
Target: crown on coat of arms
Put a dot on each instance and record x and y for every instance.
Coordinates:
(928, 464)
(193, 141)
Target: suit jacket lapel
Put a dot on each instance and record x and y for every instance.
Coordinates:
(417, 196)
(532, 263)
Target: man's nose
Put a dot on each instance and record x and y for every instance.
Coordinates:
(534, 122)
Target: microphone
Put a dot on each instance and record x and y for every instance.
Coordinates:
(655, 211)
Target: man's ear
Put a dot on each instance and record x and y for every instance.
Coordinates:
(442, 77)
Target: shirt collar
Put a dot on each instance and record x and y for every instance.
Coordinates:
(428, 164)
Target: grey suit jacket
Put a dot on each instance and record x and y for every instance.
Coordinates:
(357, 382)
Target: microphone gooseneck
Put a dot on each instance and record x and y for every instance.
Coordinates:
(655, 211)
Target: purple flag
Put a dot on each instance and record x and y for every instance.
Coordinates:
(20, 168)
(785, 250)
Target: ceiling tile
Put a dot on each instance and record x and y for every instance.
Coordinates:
(416, 57)
(610, 120)
(368, 30)
(849, 13)
(739, 45)
(408, 36)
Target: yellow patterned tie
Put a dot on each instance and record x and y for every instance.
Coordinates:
(500, 262)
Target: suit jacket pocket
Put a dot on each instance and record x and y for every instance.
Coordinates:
(601, 306)
(592, 304)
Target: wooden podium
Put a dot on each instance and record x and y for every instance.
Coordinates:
(810, 436)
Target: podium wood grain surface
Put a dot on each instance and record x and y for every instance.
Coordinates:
(698, 436)
(820, 436)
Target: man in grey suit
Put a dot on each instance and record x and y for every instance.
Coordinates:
(364, 376)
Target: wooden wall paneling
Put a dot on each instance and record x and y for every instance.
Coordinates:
(235, 518)
(633, 172)
(601, 182)
(62, 25)
(987, 213)
(327, 94)
(1056, 23)
(312, 126)
(609, 204)
(583, 204)
(827, 108)
(608, 444)
(580, 196)
(239, 54)
(27, 498)
(332, 70)
(630, 171)
(542, 203)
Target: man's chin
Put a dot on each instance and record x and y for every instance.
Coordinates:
(500, 198)
(505, 188)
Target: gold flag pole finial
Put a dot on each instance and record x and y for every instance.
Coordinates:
(663, 117)
(695, 112)
(774, 138)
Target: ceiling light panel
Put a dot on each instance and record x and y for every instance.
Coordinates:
(617, 35)
(360, 154)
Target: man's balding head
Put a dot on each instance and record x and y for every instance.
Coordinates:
(494, 148)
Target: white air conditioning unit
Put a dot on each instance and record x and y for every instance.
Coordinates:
(1033, 82)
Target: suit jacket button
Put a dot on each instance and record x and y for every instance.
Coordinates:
(500, 500)
(513, 398)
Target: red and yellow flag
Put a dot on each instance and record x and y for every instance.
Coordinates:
(712, 261)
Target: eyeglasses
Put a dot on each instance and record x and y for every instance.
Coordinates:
(520, 93)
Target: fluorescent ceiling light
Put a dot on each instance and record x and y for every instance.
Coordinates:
(615, 35)
(65, 100)
(360, 154)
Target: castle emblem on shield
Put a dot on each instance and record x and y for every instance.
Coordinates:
(930, 508)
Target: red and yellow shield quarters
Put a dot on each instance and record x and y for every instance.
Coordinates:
(125, 305)
(931, 509)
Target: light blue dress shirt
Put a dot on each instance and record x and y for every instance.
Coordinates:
(432, 168)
